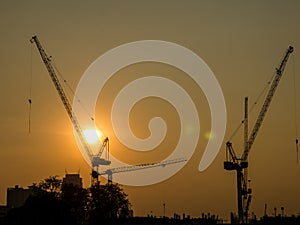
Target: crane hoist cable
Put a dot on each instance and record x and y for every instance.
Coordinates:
(64, 83)
(30, 90)
(258, 98)
(295, 111)
(67, 85)
(262, 93)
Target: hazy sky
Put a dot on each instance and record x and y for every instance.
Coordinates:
(241, 41)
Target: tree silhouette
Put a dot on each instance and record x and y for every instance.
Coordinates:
(41, 207)
(75, 202)
(108, 203)
(51, 202)
(51, 184)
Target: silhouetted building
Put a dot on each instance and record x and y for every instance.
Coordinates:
(16, 196)
(73, 179)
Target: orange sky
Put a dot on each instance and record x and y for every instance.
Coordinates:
(241, 42)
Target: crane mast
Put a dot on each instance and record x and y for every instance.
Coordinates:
(94, 159)
(240, 165)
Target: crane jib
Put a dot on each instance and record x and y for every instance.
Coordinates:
(267, 102)
(94, 159)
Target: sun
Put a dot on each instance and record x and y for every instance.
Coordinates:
(92, 135)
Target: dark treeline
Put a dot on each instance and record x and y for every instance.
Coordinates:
(54, 203)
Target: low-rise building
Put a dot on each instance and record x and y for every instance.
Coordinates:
(17, 196)
(72, 179)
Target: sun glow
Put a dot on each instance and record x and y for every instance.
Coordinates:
(92, 135)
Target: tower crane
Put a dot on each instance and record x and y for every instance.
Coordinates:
(110, 172)
(240, 165)
(95, 159)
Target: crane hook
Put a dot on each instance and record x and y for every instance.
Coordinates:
(29, 123)
(297, 148)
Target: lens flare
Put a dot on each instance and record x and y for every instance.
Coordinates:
(106, 65)
(92, 135)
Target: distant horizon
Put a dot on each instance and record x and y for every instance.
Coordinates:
(242, 44)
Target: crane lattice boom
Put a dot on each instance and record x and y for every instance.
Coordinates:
(267, 102)
(123, 169)
(94, 159)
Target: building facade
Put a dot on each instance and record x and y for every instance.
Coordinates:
(16, 196)
(72, 179)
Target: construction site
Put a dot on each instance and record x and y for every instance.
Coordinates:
(163, 112)
(232, 163)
